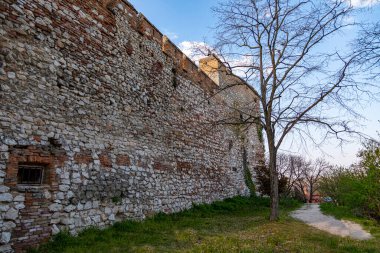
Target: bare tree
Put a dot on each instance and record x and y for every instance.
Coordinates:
(291, 167)
(298, 81)
(367, 47)
(302, 175)
(312, 175)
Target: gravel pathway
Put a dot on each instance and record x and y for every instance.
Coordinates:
(312, 215)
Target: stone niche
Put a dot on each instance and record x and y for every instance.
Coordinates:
(31, 178)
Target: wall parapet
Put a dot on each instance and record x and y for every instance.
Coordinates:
(184, 64)
(143, 26)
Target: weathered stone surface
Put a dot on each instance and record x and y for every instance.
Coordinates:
(64, 188)
(6, 249)
(55, 207)
(6, 197)
(8, 225)
(11, 75)
(11, 214)
(19, 206)
(4, 208)
(5, 237)
(3, 189)
(54, 229)
(122, 123)
(70, 208)
(67, 221)
(19, 198)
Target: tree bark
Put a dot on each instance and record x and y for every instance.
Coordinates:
(274, 198)
(311, 193)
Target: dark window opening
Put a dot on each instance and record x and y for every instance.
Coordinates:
(174, 80)
(230, 145)
(30, 174)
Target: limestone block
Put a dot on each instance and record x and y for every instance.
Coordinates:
(6, 249)
(4, 208)
(54, 229)
(6, 197)
(5, 237)
(55, 207)
(69, 208)
(19, 198)
(19, 206)
(64, 188)
(11, 214)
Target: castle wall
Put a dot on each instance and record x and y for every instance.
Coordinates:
(122, 123)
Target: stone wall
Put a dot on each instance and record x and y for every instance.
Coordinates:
(122, 123)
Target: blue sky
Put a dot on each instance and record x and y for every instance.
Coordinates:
(192, 21)
(189, 20)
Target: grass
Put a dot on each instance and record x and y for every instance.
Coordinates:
(234, 225)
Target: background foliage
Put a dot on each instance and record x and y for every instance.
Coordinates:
(358, 187)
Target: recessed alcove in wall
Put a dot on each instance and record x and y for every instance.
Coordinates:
(32, 174)
(33, 166)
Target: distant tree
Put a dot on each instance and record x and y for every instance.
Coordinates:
(297, 176)
(370, 155)
(291, 167)
(370, 163)
(279, 45)
(330, 183)
(312, 175)
(358, 186)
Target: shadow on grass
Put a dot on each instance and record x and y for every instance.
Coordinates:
(234, 225)
(169, 231)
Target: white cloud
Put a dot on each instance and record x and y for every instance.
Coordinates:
(363, 3)
(195, 50)
(240, 65)
(171, 35)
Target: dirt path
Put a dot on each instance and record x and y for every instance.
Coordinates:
(312, 215)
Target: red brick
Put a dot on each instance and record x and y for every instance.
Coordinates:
(105, 160)
(123, 160)
(83, 158)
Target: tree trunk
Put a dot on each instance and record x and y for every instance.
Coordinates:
(311, 193)
(274, 198)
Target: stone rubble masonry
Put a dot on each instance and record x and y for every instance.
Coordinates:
(123, 122)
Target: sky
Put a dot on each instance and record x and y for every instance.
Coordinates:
(188, 22)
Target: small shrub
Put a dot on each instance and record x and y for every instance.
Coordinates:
(290, 203)
(263, 181)
(125, 226)
(116, 200)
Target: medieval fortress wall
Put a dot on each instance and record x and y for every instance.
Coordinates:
(102, 118)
